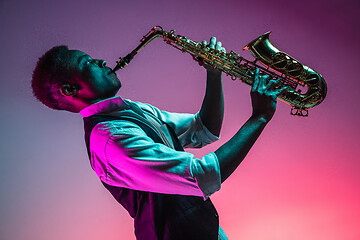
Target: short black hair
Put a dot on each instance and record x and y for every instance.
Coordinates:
(48, 76)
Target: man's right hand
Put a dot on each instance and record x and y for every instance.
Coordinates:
(264, 96)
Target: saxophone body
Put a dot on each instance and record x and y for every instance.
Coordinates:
(306, 87)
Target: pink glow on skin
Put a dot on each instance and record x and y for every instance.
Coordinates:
(301, 179)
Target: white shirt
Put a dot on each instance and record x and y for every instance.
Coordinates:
(122, 155)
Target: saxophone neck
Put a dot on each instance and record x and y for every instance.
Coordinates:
(155, 32)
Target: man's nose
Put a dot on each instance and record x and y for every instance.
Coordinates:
(101, 63)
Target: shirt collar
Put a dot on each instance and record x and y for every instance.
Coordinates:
(105, 106)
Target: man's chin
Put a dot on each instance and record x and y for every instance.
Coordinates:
(114, 91)
(117, 83)
(118, 87)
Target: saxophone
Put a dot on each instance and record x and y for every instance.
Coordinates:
(306, 87)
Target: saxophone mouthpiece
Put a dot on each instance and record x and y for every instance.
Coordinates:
(123, 62)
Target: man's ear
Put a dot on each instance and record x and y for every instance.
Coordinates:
(68, 90)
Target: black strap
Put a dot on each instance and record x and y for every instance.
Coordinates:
(90, 123)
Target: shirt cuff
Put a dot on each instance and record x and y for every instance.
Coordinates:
(205, 133)
(206, 171)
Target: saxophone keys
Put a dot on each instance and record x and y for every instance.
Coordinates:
(295, 111)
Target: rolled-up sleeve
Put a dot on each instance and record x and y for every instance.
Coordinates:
(206, 171)
(189, 128)
(123, 155)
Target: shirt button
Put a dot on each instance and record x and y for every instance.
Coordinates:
(216, 215)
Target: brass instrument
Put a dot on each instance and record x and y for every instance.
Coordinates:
(306, 88)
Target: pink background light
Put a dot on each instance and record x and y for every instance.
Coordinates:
(301, 179)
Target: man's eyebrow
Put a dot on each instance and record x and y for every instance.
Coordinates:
(80, 59)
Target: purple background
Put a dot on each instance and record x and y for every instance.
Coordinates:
(301, 179)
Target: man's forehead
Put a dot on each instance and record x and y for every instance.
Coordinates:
(76, 54)
(73, 57)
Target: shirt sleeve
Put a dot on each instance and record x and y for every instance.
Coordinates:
(189, 128)
(123, 155)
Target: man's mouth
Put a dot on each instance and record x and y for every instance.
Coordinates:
(110, 72)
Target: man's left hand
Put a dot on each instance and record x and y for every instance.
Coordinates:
(214, 45)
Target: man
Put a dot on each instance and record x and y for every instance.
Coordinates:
(137, 150)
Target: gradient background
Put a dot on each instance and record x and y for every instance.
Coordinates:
(300, 181)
